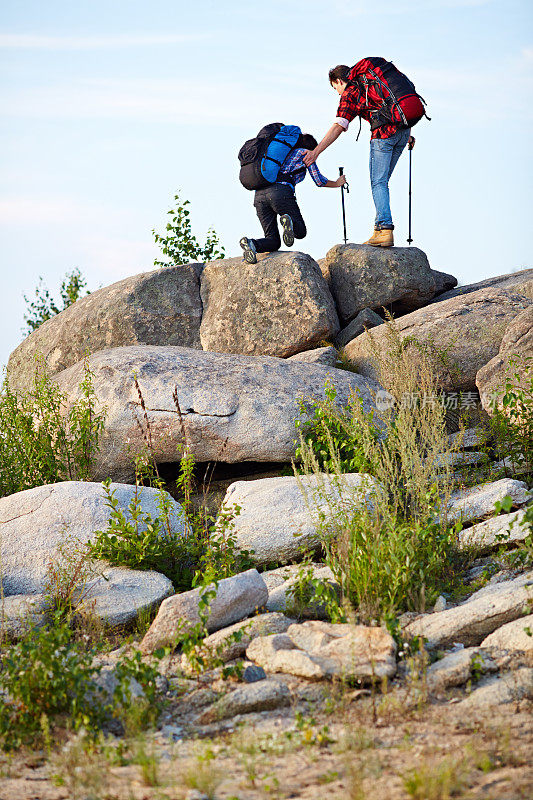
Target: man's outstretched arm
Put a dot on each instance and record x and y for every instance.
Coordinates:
(333, 134)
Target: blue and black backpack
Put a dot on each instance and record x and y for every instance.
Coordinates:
(261, 158)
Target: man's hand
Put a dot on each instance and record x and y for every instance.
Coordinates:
(411, 142)
(341, 180)
(310, 158)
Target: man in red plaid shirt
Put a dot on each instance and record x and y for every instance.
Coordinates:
(386, 146)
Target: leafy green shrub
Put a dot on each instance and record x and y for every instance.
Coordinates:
(512, 414)
(179, 243)
(397, 551)
(44, 306)
(49, 675)
(206, 551)
(41, 439)
(331, 435)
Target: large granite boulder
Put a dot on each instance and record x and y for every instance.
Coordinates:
(159, 307)
(361, 276)
(233, 407)
(277, 307)
(279, 518)
(520, 282)
(466, 330)
(36, 522)
(516, 345)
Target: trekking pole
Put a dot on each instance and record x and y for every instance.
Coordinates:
(410, 147)
(341, 172)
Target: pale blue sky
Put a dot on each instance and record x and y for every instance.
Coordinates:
(109, 107)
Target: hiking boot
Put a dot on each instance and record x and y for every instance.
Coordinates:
(288, 231)
(249, 251)
(381, 238)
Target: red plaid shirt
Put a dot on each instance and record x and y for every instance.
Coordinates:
(354, 103)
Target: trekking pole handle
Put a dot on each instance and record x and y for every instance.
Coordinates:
(346, 186)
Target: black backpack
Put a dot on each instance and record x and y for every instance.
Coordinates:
(261, 158)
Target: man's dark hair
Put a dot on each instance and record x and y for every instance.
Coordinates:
(307, 141)
(340, 72)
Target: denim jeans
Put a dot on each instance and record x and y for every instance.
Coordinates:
(384, 155)
(276, 199)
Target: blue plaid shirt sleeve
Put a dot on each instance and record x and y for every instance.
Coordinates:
(295, 161)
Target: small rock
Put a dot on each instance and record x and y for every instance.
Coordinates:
(19, 613)
(457, 667)
(468, 439)
(516, 635)
(253, 673)
(236, 597)
(509, 687)
(327, 356)
(440, 604)
(260, 696)
(365, 320)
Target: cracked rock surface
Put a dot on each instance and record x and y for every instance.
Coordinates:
(233, 407)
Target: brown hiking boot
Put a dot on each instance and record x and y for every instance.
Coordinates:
(381, 238)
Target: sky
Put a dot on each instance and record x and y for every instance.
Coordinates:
(110, 108)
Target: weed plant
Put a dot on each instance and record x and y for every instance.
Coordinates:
(43, 439)
(49, 676)
(397, 551)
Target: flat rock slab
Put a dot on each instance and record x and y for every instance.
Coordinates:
(520, 282)
(159, 307)
(36, 522)
(327, 356)
(233, 407)
(277, 307)
(494, 532)
(477, 502)
(236, 597)
(472, 621)
(262, 695)
(516, 345)
(361, 276)
(279, 517)
(516, 635)
(119, 595)
(469, 329)
(509, 687)
(318, 650)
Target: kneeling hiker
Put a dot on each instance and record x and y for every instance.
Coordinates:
(272, 164)
(376, 91)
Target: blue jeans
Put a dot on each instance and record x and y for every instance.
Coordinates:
(384, 155)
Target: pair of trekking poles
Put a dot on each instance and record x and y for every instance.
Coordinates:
(346, 188)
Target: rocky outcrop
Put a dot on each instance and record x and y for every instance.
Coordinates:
(277, 307)
(279, 518)
(495, 690)
(159, 307)
(361, 276)
(444, 282)
(520, 282)
(233, 408)
(261, 696)
(464, 332)
(36, 522)
(516, 345)
(226, 646)
(485, 536)
(515, 636)
(470, 622)
(236, 597)
(317, 650)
